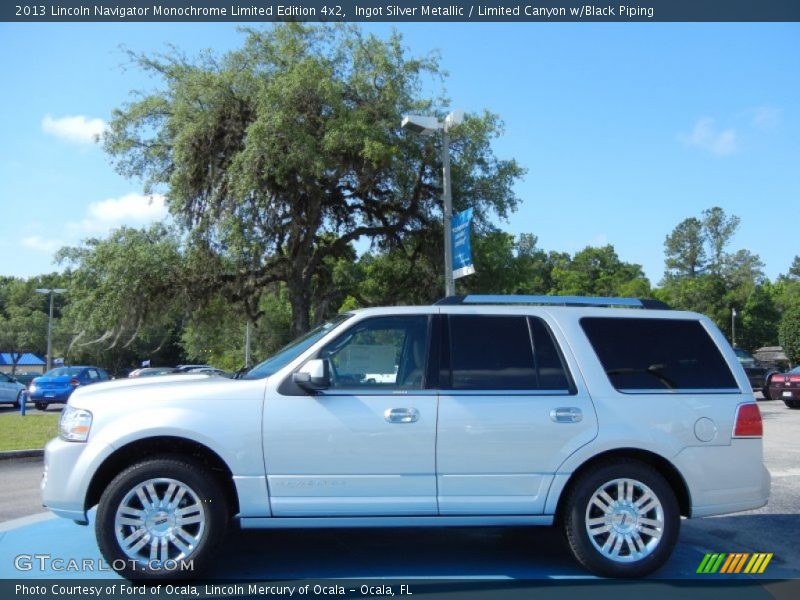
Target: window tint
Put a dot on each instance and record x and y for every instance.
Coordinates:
(653, 354)
(497, 353)
(380, 353)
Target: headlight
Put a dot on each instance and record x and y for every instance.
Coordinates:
(32, 387)
(75, 424)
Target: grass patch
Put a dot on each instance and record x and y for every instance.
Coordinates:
(28, 432)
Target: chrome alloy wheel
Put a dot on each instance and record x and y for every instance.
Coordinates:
(159, 520)
(624, 520)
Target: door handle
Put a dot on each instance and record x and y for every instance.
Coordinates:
(401, 415)
(566, 414)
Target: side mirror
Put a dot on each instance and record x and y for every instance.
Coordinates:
(313, 376)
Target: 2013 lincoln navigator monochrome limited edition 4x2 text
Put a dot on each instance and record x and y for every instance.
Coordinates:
(611, 418)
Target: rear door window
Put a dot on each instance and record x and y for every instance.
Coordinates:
(504, 353)
(641, 355)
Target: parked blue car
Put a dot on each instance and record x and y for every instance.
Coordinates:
(57, 385)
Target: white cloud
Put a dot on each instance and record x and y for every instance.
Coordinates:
(78, 129)
(706, 137)
(132, 209)
(765, 117)
(40, 244)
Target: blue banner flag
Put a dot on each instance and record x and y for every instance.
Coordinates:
(461, 225)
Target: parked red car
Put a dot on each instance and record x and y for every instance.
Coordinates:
(786, 386)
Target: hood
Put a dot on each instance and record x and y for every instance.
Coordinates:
(168, 391)
(165, 381)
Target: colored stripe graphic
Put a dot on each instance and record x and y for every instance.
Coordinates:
(711, 563)
(734, 563)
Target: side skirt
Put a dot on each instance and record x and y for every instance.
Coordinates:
(457, 521)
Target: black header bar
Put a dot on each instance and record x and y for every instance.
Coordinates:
(255, 11)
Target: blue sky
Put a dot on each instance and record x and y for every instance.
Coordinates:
(625, 129)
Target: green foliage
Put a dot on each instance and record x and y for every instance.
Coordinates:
(277, 156)
(789, 333)
(760, 318)
(703, 276)
(598, 272)
(24, 314)
(126, 298)
(684, 249)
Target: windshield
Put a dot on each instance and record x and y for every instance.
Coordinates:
(291, 351)
(63, 372)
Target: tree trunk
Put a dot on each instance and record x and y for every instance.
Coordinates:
(300, 300)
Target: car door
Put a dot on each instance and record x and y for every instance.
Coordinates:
(366, 444)
(8, 391)
(509, 413)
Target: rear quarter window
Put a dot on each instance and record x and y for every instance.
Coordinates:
(658, 354)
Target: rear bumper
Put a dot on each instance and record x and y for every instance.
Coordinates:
(49, 397)
(780, 393)
(725, 479)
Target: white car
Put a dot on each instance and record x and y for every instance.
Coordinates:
(612, 423)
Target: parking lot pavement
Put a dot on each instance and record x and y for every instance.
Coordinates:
(19, 493)
(462, 553)
(493, 553)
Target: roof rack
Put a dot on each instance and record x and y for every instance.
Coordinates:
(646, 303)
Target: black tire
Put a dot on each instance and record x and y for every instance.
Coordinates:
(40, 405)
(577, 509)
(765, 392)
(208, 499)
(21, 397)
(792, 403)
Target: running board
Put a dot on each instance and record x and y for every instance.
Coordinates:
(454, 521)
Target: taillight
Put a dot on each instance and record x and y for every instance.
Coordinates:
(74, 382)
(794, 377)
(748, 421)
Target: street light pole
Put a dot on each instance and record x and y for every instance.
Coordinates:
(733, 327)
(447, 201)
(52, 292)
(426, 126)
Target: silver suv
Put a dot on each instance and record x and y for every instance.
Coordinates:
(609, 417)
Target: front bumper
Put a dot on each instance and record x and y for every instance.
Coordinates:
(68, 467)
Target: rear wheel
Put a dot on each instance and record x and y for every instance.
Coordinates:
(621, 519)
(792, 403)
(765, 392)
(162, 518)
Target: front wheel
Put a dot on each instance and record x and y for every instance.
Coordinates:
(161, 519)
(40, 405)
(621, 519)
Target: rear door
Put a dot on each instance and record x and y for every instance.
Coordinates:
(510, 412)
